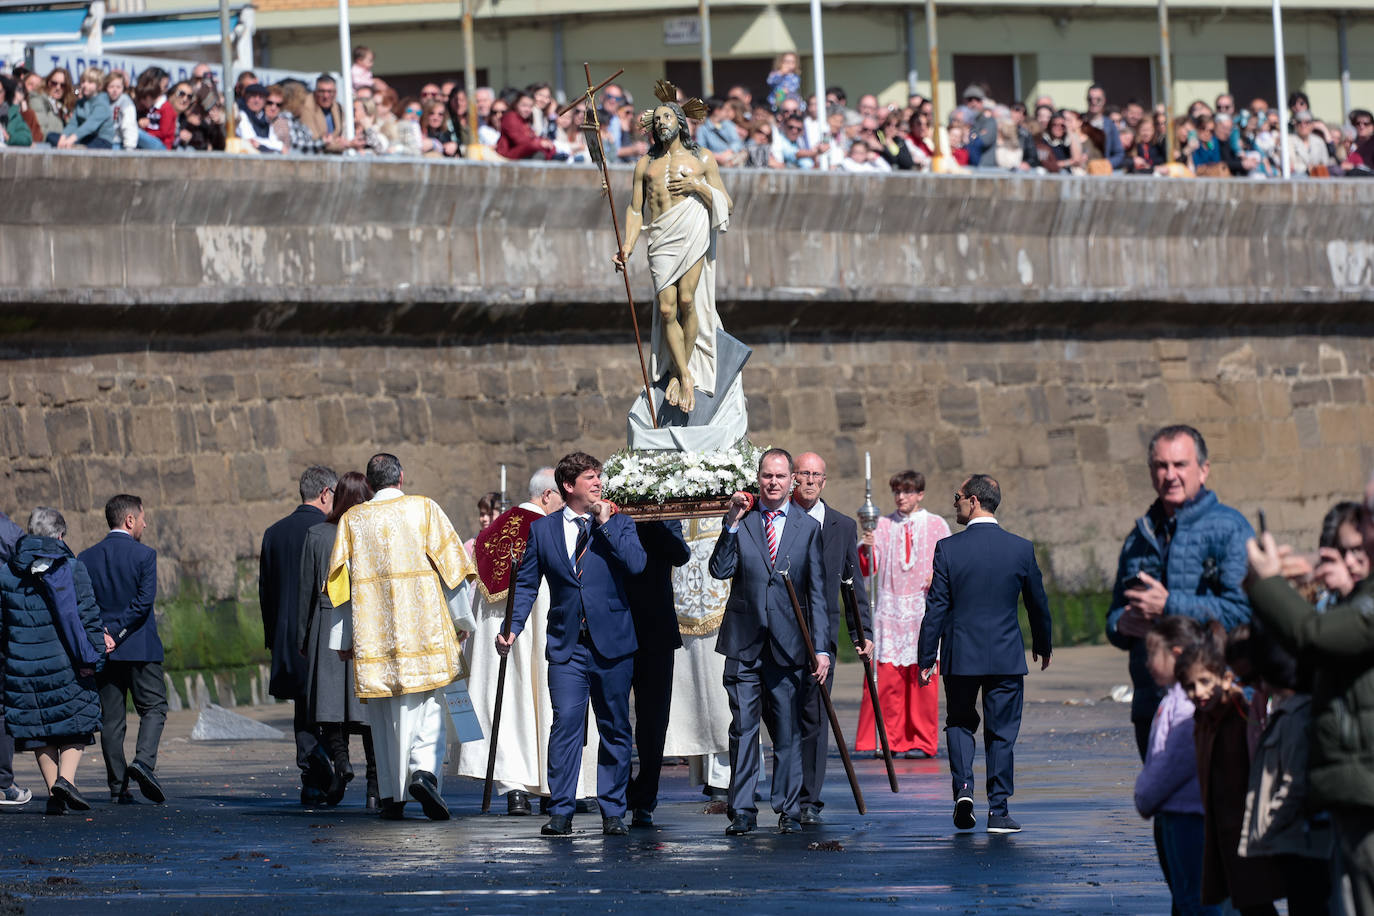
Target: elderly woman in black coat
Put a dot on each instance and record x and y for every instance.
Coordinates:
(54, 645)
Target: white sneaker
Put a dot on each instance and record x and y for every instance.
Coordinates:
(13, 795)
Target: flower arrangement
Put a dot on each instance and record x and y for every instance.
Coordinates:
(638, 477)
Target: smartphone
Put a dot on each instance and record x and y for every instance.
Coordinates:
(1263, 523)
(1135, 583)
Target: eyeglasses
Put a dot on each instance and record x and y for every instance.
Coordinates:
(810, 475)
(181, 94)
(272, 103)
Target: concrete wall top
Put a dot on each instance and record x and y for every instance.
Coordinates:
(191, 244)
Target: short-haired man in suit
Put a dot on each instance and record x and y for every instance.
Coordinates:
(765, 654)
(971, 618)
(840, 556)
(655, 614)
(585, 553)
(279, 578)
(124, 578)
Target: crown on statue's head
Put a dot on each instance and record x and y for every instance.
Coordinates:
(666, 92)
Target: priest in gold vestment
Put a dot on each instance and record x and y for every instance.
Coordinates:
(402, 564)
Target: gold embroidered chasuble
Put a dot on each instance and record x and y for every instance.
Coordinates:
(388, 557)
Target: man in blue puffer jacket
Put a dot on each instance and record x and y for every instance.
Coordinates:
(1185, 556)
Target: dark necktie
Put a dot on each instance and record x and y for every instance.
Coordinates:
(584, 538)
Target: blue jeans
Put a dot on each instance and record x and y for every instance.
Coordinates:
(148, 141)
(1179, 840)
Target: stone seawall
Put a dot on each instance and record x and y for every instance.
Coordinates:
(197, 330)
(214, 438)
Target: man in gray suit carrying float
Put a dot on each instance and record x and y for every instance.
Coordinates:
(764, 648)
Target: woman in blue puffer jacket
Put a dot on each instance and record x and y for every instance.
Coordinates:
(54, 644)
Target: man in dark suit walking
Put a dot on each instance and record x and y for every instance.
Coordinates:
(279, 577)
(585, 553)
(765, 653)
(971, 618)
(655, 615)
(840, 557)
(124, 578)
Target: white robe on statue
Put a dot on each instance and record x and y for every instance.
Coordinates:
(522, 747)
(409, 732)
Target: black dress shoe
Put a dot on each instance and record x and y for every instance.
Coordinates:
(55, 805)
(614, 826)
(715, 794)
(147, 782)
(518, 803)
(319, 769)
(311, 797)
(788, 824)
(741, 825)
(1002, 823)
(558, 825)
(70, 796)
(123, 798)
(424, 788)
(642, 817)
(393, 810)
(338, 785)
(811, 816)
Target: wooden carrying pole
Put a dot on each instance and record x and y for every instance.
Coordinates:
(825, 697)
(600, 157)
(856, 633)
(515, 557)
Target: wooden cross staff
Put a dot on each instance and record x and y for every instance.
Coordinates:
(598, 154)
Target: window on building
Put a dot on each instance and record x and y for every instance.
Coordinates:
(1250, 78)
(407, 84)
(1125, 78)
(750, 72)
(996, 73)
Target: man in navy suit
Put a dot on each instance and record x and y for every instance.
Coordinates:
(840, 556)
(765, 655)
(655, 615)
(971, 618)
(584, 553)
(124, 578)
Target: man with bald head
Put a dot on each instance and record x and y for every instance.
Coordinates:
(840, 561)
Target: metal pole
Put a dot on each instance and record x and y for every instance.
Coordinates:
(231, 111)
(1281, 77)
(818, 75)
(933, 44)
(1166, 80)
(346, 70)
(910, 51)
(708, 67)
(470, 72)
(559, 85)
(1344, 53)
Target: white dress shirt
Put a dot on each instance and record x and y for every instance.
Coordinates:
(818, 511)
(981, 520)
(570, 529)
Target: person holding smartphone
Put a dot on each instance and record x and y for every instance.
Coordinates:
(1184, 556)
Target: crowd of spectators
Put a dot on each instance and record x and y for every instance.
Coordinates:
(1251, 666)
(784, 130)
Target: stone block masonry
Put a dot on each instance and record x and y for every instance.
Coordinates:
(214, 439)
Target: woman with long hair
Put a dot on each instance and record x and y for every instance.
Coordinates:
(333, 705)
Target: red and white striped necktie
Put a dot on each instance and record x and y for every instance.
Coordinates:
(771, 533)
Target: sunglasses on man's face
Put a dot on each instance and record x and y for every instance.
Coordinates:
(1364, 123)
(182, 94)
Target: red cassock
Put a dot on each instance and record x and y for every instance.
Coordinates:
(910, 712)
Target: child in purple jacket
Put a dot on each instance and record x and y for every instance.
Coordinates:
(1167, 788)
